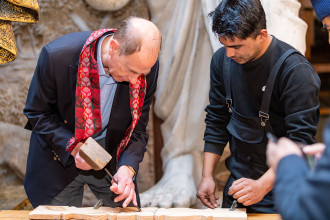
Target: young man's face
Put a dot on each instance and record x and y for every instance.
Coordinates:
(242, 51)
(326, 24)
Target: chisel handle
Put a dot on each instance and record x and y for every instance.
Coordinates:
(106, 170)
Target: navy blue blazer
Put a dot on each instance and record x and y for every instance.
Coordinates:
(50, 109)
(300, 193)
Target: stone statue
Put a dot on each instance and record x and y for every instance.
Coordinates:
(107, 5)
(188, 45)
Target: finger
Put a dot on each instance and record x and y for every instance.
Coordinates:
(123, 195)
(243, 199)
(239, 194)
(314, 149)
(128, 199)
(134, 199)
(213, 200)
(239, 185)
(238, 181)
(206, 202)
(86, 166)
(114, 188)
(271, 146)
(248, 203)
(121, 187)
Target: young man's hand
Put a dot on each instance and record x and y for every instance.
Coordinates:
(247, 191)
(206, 193)
(276, 151)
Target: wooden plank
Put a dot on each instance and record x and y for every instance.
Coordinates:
(325, 111)
(70, 212)
(145, 214)
(14, 214)
(47, 212)
(322, 67)
(103, 213)
(256, 216)
(88, 213)
(199, 214)
(24, 215)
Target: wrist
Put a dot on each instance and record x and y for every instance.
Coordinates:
(130, 170)
(265, 185)
(207, 175)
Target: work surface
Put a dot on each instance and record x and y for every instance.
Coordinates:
(22, 214)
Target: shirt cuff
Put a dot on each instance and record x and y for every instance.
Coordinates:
(214, 148)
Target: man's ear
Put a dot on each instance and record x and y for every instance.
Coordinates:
(263, 35)
(114, 46)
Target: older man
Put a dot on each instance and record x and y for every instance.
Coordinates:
(301, 193)
(86, 84)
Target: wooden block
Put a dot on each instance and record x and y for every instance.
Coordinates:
(179, 214)
(145, 214)
(88, 213)
(103, 213)
(71, 212)
(199, 214)
(47, 212)
(14, 214)
(94, 154)
(225, 214)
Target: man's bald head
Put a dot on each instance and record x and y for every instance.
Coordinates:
(138, 35)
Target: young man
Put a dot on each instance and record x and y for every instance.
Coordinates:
(86, 84)
(305, 192)
(258, 85)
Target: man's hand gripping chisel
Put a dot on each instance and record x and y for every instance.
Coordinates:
(95, 155)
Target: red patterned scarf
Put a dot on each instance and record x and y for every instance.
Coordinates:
(88, 106)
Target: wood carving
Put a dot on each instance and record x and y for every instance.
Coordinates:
(150, 213)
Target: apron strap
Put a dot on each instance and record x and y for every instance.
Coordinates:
(264, 110)
(226, 79)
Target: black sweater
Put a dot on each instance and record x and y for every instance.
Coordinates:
(294, 108)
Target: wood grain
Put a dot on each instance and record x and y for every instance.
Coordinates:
(104, 213)
(94, 154)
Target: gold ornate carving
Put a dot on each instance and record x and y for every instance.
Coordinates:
(8, 49)
(14, 10)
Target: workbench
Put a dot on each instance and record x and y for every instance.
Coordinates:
(24, 215)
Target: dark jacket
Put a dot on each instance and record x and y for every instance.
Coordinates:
(50, 109)
(300, 193)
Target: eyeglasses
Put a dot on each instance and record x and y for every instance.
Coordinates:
(325, 27)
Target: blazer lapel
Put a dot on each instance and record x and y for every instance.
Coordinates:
(120, 119)
(73, 70)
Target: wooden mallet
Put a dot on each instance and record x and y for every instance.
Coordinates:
(95, 155)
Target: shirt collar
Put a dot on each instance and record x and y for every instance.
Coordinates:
(102, 73)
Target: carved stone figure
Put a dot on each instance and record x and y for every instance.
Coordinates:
(107, 5)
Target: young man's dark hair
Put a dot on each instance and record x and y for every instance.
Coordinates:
(240, 18)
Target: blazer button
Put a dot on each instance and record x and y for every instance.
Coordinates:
(55, 158)
(65, 121)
